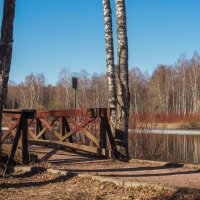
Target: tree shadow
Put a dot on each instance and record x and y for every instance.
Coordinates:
(75, 156)
(71, 161)
(48, 155)
(34, 171)
(132, 169)
(61, 178)
(153, 175)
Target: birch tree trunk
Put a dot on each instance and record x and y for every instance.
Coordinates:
(123, 96)
(110, 63)
(6, 42)
(184, 99)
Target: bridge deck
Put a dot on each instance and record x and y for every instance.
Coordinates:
(59, 157)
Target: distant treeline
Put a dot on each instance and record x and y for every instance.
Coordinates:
(170, 89)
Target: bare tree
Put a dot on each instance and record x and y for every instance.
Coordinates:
(194, 76)
(123, 96)
(119, 97)
(6, 50)
(110, 62)
(63, 90)
(138, 83)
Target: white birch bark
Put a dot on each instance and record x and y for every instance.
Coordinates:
(123, 96)
(110, 62)
(184, 100)
(194, 76)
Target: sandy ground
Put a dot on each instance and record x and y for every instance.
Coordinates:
(183, 181)
(42, 185)
(158, 173)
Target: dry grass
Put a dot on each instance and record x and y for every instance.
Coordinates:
(161, 125)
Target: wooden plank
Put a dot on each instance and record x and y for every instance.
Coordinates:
(62, 113)
(91, 112)
(86, 132)
(30, 114)
(89, 149)
(14, 111)
(48, 126)
(56, 133)
(78, 127)
(90, 136)
(5, 135)
(31, 134)
(11, 128)
(39, 128)
(12, 115)
(18, 110)
(8, 124)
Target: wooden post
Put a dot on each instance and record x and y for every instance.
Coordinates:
(25, 156)
(22, 131)
(15, 143)
(103, 142)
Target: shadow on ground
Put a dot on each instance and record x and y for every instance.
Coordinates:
(129, 171)
(34, 171)
(34, 184)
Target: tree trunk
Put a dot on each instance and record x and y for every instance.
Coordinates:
(6, 51)
(110, 63)
(123, 96)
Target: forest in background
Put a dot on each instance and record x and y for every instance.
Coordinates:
(169, 90)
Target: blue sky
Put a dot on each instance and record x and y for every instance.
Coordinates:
(52, 34)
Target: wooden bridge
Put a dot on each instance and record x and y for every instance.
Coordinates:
(85, 130)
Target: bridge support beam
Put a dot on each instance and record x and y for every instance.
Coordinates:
(20, 134)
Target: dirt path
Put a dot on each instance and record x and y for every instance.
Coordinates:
(43, 185)
(175, 176)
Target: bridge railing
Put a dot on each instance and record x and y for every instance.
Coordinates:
(85, 130)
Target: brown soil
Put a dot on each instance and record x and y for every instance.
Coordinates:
(182, 182)
(158, 173)
(43, 185)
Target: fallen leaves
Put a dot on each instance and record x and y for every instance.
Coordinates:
(44, 185)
